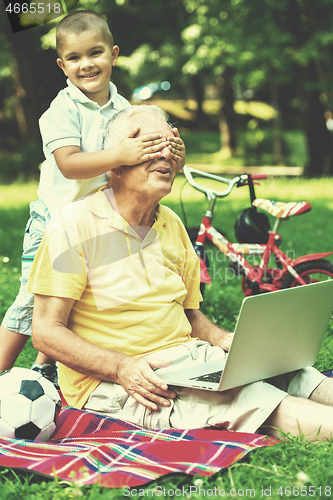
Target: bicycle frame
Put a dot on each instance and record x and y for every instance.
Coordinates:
(260, 277)
(236, 251)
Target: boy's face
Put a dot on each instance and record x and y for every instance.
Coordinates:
(87, 60)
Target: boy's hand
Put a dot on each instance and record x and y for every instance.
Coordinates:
(134, 150)
(177, 148)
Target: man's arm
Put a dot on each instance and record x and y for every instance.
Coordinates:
(51, 336)
(206, 330)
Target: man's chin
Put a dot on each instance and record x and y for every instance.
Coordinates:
(167, 189)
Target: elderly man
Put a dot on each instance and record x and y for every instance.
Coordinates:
(116, 284)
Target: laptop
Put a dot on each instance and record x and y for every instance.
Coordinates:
(276, 332)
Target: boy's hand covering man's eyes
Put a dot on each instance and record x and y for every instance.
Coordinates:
(178, 149)
(134, 150)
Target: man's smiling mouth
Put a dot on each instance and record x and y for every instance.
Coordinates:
(162, 170)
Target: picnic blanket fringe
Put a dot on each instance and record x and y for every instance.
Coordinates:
(91, 448)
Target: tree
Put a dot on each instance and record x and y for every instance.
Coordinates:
(32, 75)
(310, 24)
(269, 43)
(261, 45)
(232, 41)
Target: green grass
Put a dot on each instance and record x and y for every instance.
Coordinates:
(295, 465)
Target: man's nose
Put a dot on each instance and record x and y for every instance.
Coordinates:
(165, 153)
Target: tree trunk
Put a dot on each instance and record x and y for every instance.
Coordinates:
(277, 147)
(314, 82)
(19, 111)
(227, 114)
(36, 78)
(199, 97)
(25, 87)
(316, 131)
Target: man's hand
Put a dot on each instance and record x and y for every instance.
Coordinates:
(225, 340)
(204, 329)
(134, 150)
(178, 149)
(137, 377)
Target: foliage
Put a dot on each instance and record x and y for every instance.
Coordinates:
(205, 148)
(278, 52)
(20, 165)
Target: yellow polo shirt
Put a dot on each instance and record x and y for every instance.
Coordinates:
(130, 292)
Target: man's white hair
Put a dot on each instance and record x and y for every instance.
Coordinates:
(120, 124)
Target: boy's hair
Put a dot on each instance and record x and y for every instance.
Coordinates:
(120, 123)
(80, 21)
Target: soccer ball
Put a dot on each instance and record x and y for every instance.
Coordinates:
(29, 405)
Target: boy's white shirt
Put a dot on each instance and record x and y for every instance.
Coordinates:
(73, 120)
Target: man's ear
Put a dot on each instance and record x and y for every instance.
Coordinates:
(61, 65)
(117, 172)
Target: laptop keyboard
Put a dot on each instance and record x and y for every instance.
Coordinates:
(210, 377)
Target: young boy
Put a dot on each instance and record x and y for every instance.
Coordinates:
(75, 163)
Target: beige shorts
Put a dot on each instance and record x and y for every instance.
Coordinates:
(243, 409)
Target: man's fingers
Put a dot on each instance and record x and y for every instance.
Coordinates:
(157, 385)
(156, 399)
(152, 398)
(145, 402)
(152, 382)
(153, 388)
(142, 383)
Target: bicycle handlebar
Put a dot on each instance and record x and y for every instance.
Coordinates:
(257, 177)
(240, 180)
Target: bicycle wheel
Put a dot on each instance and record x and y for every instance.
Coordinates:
(271, 273)
(311, 272)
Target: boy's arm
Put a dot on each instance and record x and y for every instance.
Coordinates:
(74, 164)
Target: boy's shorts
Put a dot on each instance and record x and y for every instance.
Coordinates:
(243, 409)
(18, 318)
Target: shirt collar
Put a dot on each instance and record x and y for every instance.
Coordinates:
(78, 96)
(102, 204)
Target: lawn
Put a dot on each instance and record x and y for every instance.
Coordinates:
(283, 471)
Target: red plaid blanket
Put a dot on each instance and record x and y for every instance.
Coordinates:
(111, 452)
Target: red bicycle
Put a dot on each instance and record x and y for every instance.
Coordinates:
(255, 238)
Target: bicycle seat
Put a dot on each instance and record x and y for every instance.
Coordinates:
(281, 209)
